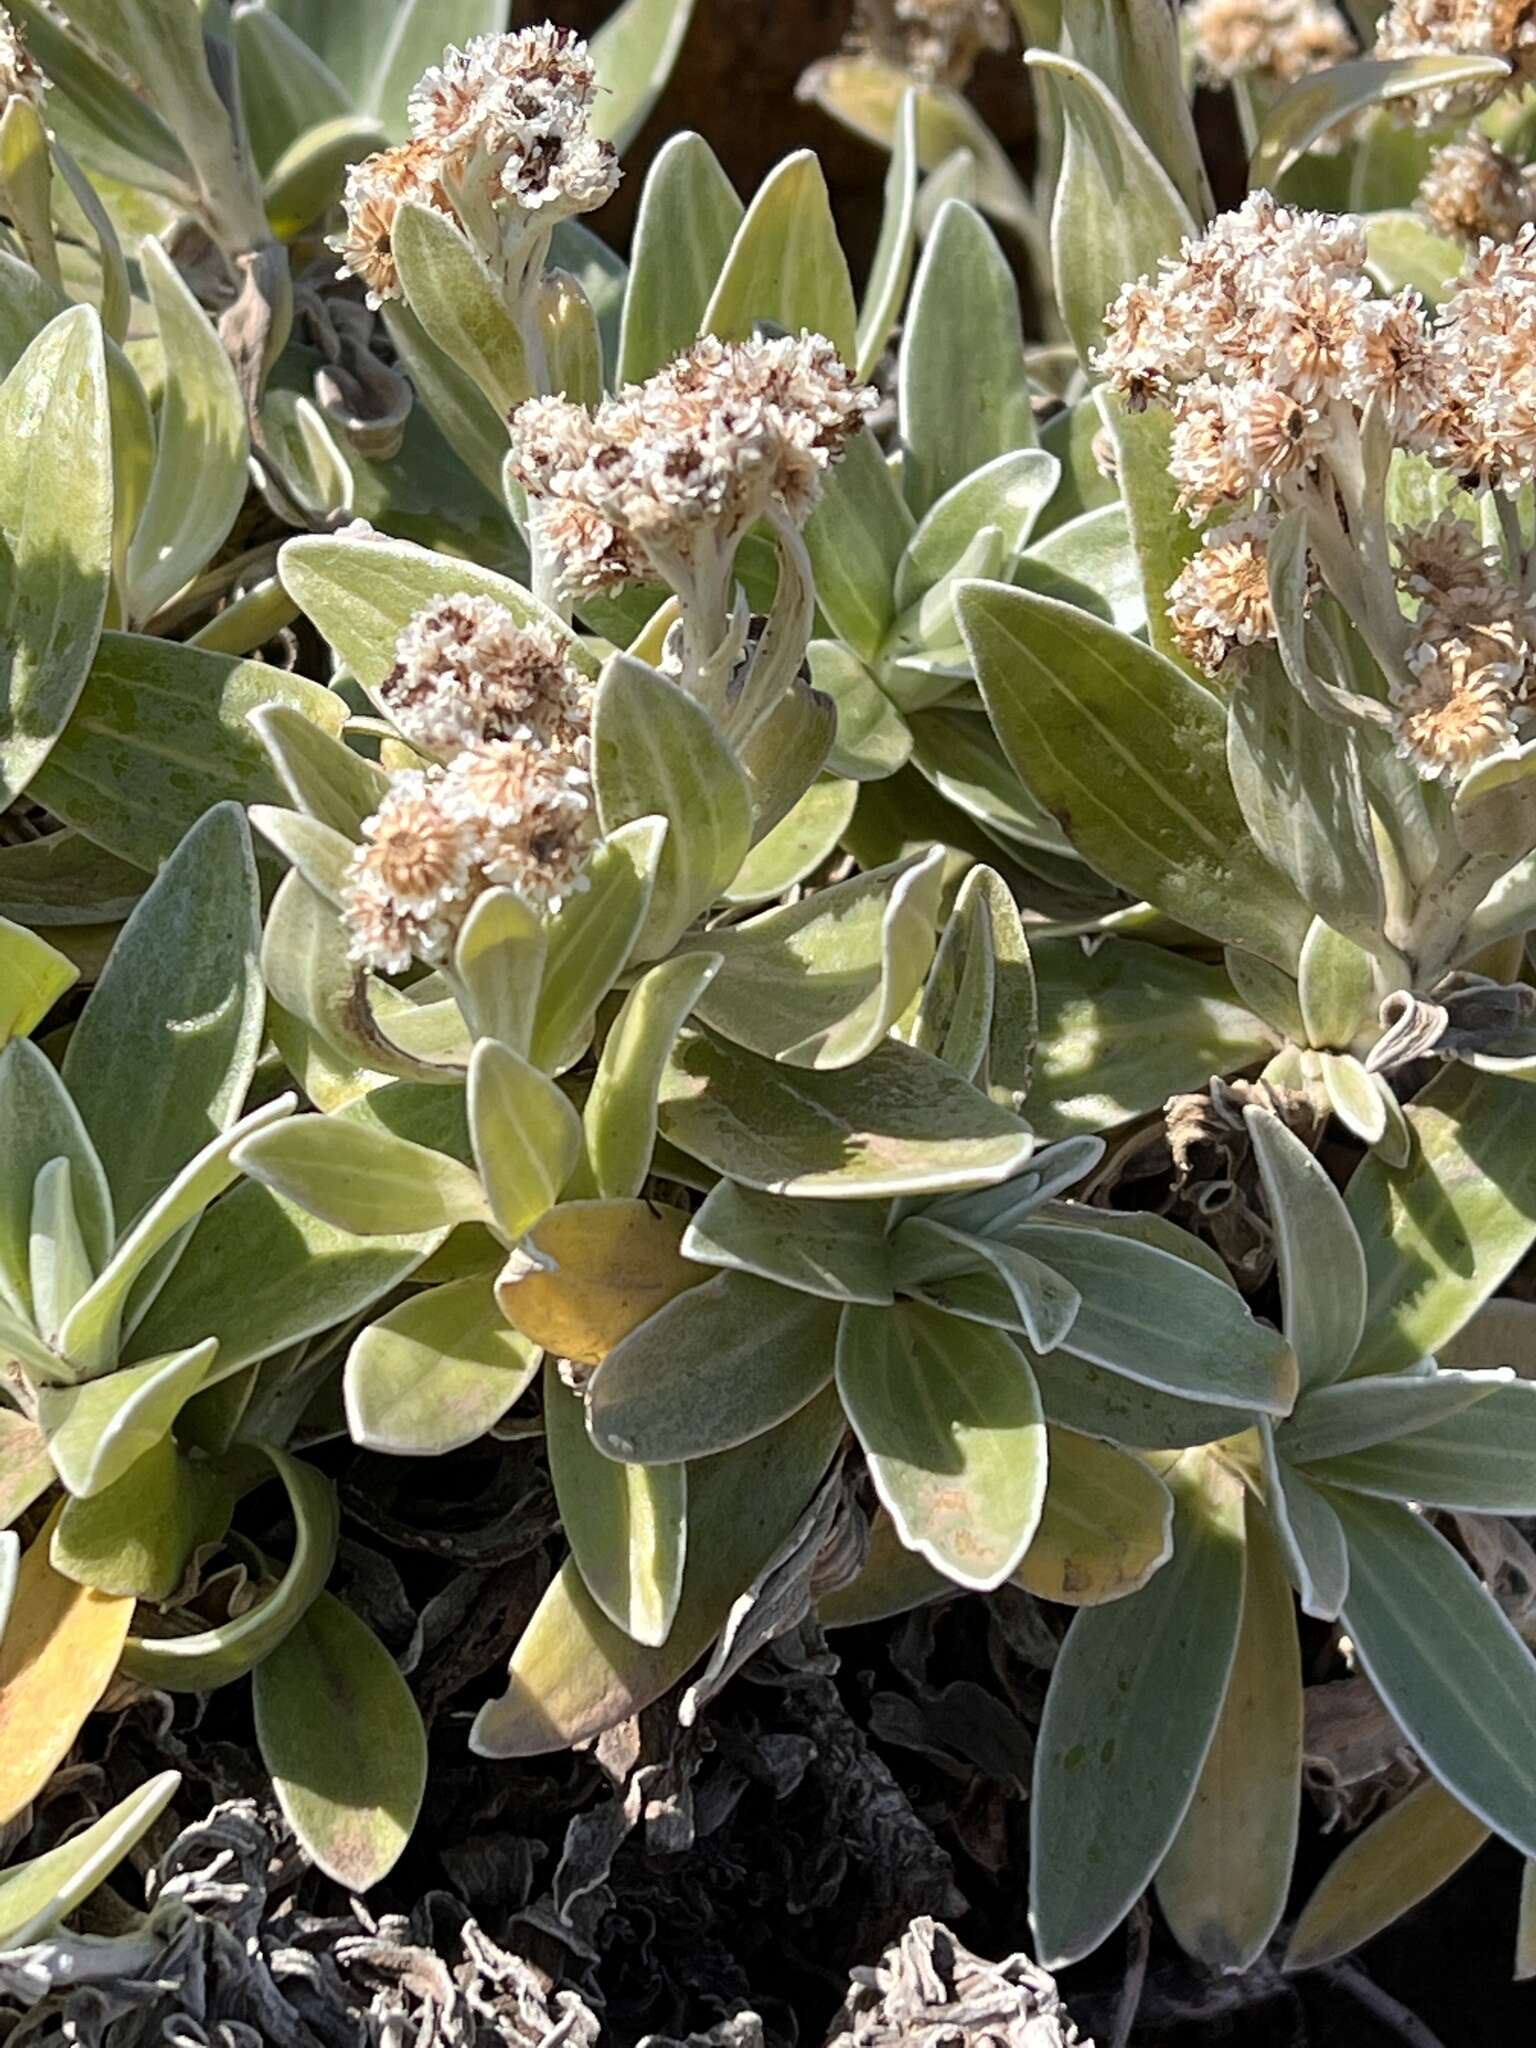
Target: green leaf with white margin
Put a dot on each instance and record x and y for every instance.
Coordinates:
(343, 1740)
(1297, 777)
(984, 1280)
(627, 1525)
(99, 114)
(1222, 1887)
(96, 1431)
(786, 264)
(1479, 1459)
(656, 753)
(1161, 1320)
(58, 1265)
(1442, 1233)
(688, 218)
(962, 390)
(161, 734)
(1008, 492)
(1360, 1414)
(1089, 561)
(1116, 212)
(1130, 1717)
(33, 975)
(42, 1124)
(838, 1250)
(1162, 538)
(958, 1008)
(956, 750)
(163, 1053)
(368, 1182)
(713, 1368)
(1448, 1665)
(950, 1419)
(619, 1115)
(321, 773)
(436, 1373)
(1335, 985)
(634, 51)
(498, 962)
(1314, 105)
(319, 853)
(526, 1133)
(202, 445)
(574, 1674)
(820, 983)
(592, 938)
(455, 298)
(40, 1893)
(1313, 1235)
(363, 593)
(1383, 1873)
(1310, 1535)
(898, 1123)
(91, 1332)
(1148, 802)
(55, 537)
(890, 269)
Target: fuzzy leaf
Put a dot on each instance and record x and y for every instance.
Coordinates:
(37, 1895)
(634, 51)
(366, 1181)
(594, 935)
(834, 1249)
(1310, 1534)
(619, 1115)
(787, 264)
(1105, 1528)
(1313, 1236)
(1313, 105)
(455, 298)
(526, 1133)
(436, 1373)
(689, 216)
(591, 1272)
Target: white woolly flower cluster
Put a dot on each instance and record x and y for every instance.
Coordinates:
(937, 41)
(1473, 192)
(1265, 341)
(467, 672)
(663, 479)
(1469, 28)
(1275, 41)
(501, 141)
(21, 77)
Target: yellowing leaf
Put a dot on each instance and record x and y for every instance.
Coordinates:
(60, 1648)
(1106, 1527)
(593, 1271)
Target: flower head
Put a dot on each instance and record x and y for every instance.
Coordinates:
(667, 476)
(1220, 599)
(1454, 714)
(376, 190)
(466, 672)
(937, 41)
(21, 76)
(1472, 28)
(1277, 41)
(1472, 190)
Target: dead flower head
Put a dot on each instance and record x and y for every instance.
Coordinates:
(1220, 599)
(1473, 190)
(1455, 714)
(936, 41)
(21, 76)
(467, 672)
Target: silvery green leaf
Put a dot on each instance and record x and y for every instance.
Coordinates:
(1116, 213)
(33, 975)
(873, 739)
(64, 880)
(1269, 992)
(1124, 1027)
(955, 1013)
(42, 1124)
(366, 1181)
(856, 538)
(619, 1114)
(56, 527)
(950, 1420)
(890, 270)
(897, 1123)
(1456, 1677)
(627, 1524)
(138, 1535)
(1085, 1397)
(58, 1265)
(320, 773)
(1361, 1414)
(1007, 492)
(959, 756)
(96, 1431)
(688, 218)
(1135, 50)
(1052, 1170)
(315, 851)
(788, 746)
(285, 87)
(574, 1674)
(1162, 1321)
(837, 1250)
(351, 1777)
(589, 942)
(1313, 105)
(498, 962)
(1223, 1885)
(38, 1894)
(1322, 1264)
(1404, 252)
(962, 392)
(310, 174)
(161, 734)
(465, 417)
(1309, 1532)
(216, 1656)
(634, 52)
(362, 593)
(1107, 1525)
(1074, 436)
(1161, 535)
(714, 1368)
(786, 264)
(456, 300)
(820, 983)
(105, 122)
(1150, 804)
(526, 1133)
(1495, 806)
(436, 1373)
(1297, 777)
(934, 1262)
(1130, 1716)
(202, 445)
(1479, 1458)
(399, 43)
(807, 835)
(1089, 561)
